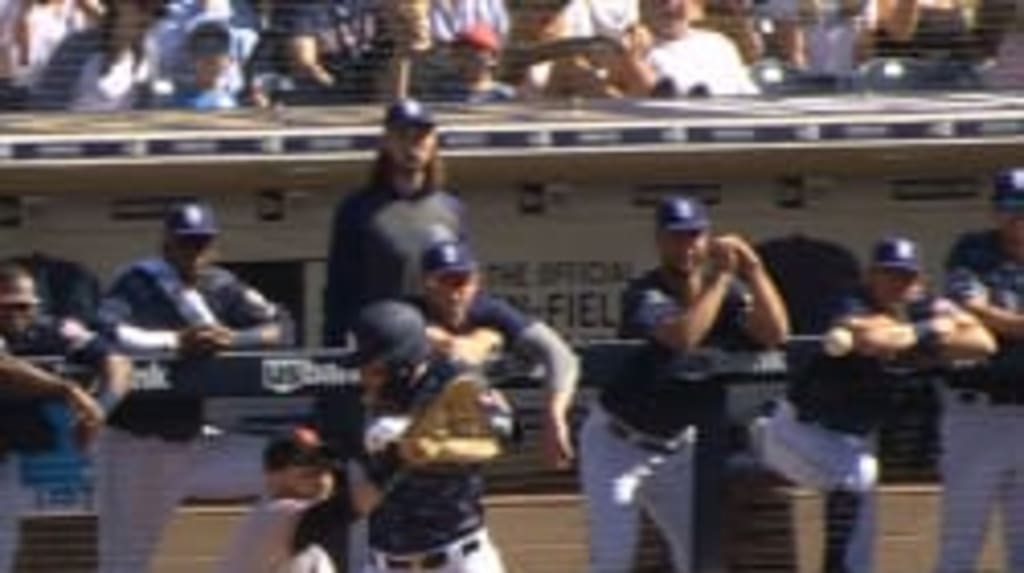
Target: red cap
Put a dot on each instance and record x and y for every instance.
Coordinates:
(480, 36)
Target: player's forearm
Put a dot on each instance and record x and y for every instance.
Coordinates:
(884, 340)
(450, 450)
(115, 380)
(560, 363)
(687, 331)
(969, 342)
(28, 380)
(259, 336)
(768, 320)
(1005, 323)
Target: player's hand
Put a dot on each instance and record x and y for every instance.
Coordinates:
(557, 445)
(747, 260)
(723, 255)
(203, 340)
(636, 41)
(87, 412)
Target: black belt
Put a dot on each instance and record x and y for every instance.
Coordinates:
(432, 559)
(644, 441)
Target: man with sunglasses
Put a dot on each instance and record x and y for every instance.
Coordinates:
(470, 326)
(151, 455)
(819, 435)
(638, 443)
(28, 394)
(982, 461)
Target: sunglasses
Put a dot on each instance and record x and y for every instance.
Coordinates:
(17, 306)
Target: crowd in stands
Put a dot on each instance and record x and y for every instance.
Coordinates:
(106, 55)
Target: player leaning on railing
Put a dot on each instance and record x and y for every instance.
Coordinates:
(637, 445)
(152, 455)
(820, 434)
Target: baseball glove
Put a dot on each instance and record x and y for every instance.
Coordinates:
(465, 424)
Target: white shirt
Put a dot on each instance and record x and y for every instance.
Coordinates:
(116, 90)
(830, 39)
(449, 17)
(48, 26)
(702, 57)
(608, 18)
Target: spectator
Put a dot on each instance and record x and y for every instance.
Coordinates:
(213, 63)
(926, 29)
(1000, 25)
(152, 453)
(824, 38)
(474, 57)
(448, 18)
(174, 59)
(42, 25)
(608, 18)
(543, 60)
(297, 475)
(107, 68)
(668, 54)
(314, 52)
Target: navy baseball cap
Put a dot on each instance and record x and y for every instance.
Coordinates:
(298, 447)
(449, 257)
(682, 214)
(193, 219)
(210, 37)
(897, 253)
(409, 113)
(1009, 190)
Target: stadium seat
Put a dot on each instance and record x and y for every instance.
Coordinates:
(776, 78)
(912, 74)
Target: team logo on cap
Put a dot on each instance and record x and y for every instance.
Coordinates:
(450, 254)
(904, 250)
(193, 215)
(683, 209)
(1017, 179)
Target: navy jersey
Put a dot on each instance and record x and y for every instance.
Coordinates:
(485, 311)
(137, 299)
(977, 266)
(853, 393)
(23, 423)
(423, 508)
(644, 395)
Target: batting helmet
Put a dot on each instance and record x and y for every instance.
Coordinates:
(392, 331)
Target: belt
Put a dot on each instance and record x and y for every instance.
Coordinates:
(644, 441)
(430, 560)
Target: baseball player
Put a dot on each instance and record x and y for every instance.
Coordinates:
(377, 237)
(637, 443)
(424, 504)
(820, 434)
(26, 392)
(986, 275)
(150, 455)
(469, 326)
(297, 470)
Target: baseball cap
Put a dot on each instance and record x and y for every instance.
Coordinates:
(897, 253)
(1009, 190)
(408, 112)
(392, 331)
(479, 36)
(191, 219)
(210, 36)
(682, 214)
(449, 256)
(299, 446)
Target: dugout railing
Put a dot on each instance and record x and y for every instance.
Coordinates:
(731, 492)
